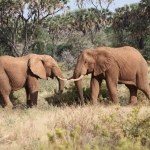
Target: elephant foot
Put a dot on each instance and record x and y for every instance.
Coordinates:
(9, 106)
(29, 104)
(94, 102)
(33, 106)
(116, 103)
(133, 102)
(82, 105)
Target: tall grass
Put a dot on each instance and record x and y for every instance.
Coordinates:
(48, 127)
(90, 127)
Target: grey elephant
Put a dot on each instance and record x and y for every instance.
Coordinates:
(123, 65)
(23, 72)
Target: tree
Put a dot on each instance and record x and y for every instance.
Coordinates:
(134, 19)
(98, 4)
(19, 20)
(87, 21)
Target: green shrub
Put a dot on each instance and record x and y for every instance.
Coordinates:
(58, 140)
(116, 131)
(63, 47)
(133, 128)
(70, 96)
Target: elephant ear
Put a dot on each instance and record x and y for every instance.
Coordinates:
(104, 60)
(37, 67)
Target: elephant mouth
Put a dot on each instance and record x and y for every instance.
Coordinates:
(52, 76)
(89, 71)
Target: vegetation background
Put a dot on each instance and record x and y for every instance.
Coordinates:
(58, 122)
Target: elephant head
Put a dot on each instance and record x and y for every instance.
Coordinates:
(91, 61)
(45, 66)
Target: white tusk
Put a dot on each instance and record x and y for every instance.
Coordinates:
(70, 78)
(77, 78)
(62, 78)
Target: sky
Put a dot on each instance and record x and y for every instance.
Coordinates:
(121, 3)
(116, 4)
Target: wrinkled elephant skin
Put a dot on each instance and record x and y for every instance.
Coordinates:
(123, 65)
(23, 72)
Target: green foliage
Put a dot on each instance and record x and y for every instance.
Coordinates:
(104, 37)
(21, 22)
(134, 20)
(79, 43)
(104, 90)
(70, 96)
(49, 48)
(101, 39)
(63, 47)
(146, 49)
(121, 39)
(126, 144)
(83, 20)
(72, 93)
(59, 142)
(38, 47)
(116, 132)
(133, 128)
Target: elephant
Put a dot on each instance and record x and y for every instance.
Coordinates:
(23, 72)
(123, 65)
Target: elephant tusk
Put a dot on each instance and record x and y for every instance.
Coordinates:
(77, 78)
(61, 78)
(70, 78)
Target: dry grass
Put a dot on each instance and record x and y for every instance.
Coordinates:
(27, 129)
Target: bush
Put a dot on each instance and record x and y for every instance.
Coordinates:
(116, 131)
(67, 57)
(70, 97)
(63, 47)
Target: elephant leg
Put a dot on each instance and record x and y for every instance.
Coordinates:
(7, 100)
(29, 102)
(5, 90)
(31, 98)
(146, 90)
(142, 83)
(95, 88)
(133, 94)
(112, 88)
(32, 91)
(34, 97)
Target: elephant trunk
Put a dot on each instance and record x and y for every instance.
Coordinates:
(61, 86)
(61, 82)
